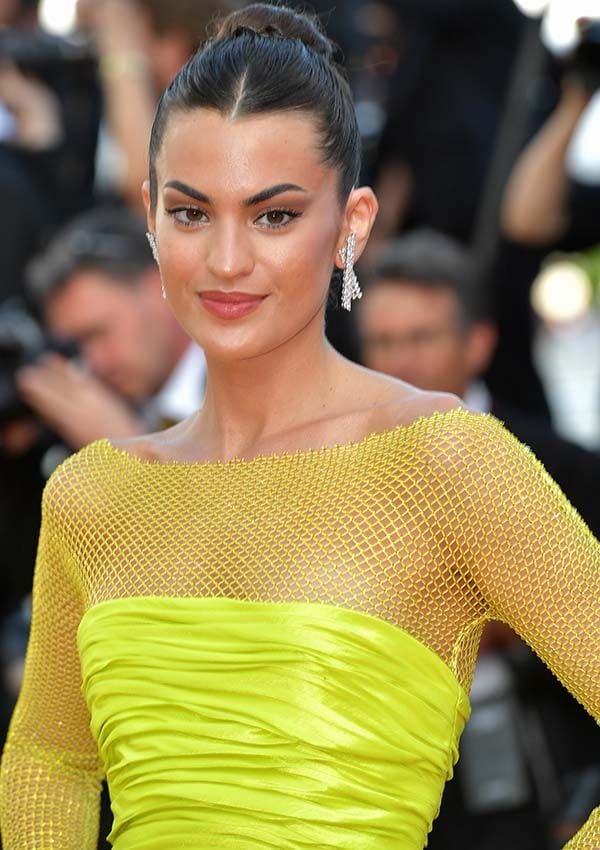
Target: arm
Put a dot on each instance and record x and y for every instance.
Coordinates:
(128, 88)
(535, 207)
(73, 403)
(533, 561)
(51, 773)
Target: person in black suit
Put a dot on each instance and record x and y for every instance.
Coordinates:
(423, 320)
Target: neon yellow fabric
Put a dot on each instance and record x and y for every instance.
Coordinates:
(254, 725)
(431, 528)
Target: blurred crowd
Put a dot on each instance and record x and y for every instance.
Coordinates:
(467, 123)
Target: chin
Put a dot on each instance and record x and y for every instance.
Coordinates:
(235, 351)
(231, 344)
(251, 336)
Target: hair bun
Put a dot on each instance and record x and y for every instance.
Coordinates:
(277, 22)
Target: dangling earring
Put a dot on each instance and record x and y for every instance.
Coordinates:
(153, 247)
(350, 285)
(152, 242)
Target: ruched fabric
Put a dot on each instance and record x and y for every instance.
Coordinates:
(251, 725)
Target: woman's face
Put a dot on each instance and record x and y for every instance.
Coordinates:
(245, 208)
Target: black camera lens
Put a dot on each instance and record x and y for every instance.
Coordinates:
(586, 58)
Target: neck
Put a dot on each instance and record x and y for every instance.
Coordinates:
(253, 399)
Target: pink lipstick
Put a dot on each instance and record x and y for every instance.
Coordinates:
(230, 305)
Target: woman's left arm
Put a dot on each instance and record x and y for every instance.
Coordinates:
(533, 561)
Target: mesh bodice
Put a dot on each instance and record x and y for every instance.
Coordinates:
(435, 527)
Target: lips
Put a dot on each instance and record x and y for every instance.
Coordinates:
(229, 297)
(230, 305)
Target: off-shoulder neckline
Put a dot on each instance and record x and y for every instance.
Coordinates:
(321, 451)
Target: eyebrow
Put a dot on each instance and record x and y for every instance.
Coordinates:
(252, 201)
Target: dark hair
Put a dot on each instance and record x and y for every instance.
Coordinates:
(107, 239)
(431, 259)
(268, 59)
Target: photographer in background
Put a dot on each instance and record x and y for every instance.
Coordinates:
(26, 207)
(98, 288)
(49, 116)
(544, 206)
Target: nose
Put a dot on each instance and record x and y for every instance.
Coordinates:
(230, 254)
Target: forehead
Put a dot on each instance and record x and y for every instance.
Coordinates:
(90, 301)
(87, 289)
(218, 154)
(405, 301)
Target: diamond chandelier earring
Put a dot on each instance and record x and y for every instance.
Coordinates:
(153, 247)
(350, 285)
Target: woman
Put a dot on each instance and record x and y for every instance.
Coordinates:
(272, 609)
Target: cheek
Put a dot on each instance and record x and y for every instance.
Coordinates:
(304, 266)
(180, 263)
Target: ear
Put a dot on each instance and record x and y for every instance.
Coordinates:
(359, 217)
(150, 218)
(480, 344)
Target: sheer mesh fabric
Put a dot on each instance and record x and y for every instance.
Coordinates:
(436, 527)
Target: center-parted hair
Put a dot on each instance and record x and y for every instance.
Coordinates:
(267, 59)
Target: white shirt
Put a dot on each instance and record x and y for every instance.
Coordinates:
(478, 397)
(183, 392)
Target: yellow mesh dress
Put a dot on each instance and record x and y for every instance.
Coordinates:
(276, 652)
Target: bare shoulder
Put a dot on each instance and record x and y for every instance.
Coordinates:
(397, 402)
(470, 446)
(426, 403)
(152, 446)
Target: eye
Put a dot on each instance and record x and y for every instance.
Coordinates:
(188, 216)
(277, 218)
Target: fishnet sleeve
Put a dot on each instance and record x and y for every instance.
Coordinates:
(534, 561)
(50, 774)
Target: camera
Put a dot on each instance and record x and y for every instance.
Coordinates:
(585, 61)
(44, 55)
(69, 67)
(22, 341)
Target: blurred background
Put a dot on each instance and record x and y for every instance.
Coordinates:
(481, 130)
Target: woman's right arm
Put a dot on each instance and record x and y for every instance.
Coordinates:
(535, 209)
(51, 772)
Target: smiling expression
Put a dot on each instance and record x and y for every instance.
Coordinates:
(247, 213)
